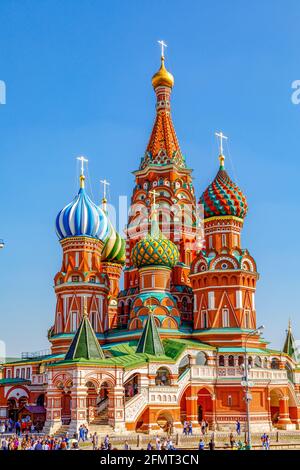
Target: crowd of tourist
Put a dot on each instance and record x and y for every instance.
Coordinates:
(32, 441)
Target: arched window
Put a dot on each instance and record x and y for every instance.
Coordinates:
(94, 320)
(221, 361)
(183, 364)
(59, 323)
(184, 304)
(275, 363)
(250, 361)
(257, 362)
(201, 359)
(240, 360)
(225, 318)
(162, 376)
(247, 319)
(204, 319)
(231, 361)
(73, 321)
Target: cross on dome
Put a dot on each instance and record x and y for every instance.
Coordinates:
(105, 183)
(221, 137)
(83, 160)
(162, 45)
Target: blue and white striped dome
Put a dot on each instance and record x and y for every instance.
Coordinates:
(82, 218)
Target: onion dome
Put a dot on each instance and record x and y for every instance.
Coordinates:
(163, 77)
(223, 197)
(82, 218)
(154, 250)
(114, 248)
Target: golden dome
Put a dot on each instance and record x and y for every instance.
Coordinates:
(163, 77)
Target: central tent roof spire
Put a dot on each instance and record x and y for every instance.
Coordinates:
(163, 147)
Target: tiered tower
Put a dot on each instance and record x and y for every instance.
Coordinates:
(163, 170)
(83, 229)
(154, 256)
(224, 275)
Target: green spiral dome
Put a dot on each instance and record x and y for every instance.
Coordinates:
(154, 251)
(114, 248)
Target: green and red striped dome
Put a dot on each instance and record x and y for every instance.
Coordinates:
(223, 197)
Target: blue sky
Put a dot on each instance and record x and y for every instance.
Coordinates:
(78, 77)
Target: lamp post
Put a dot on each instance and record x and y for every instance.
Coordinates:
(247, 384)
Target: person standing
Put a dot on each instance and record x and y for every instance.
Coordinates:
(95, 441)
(185, 427)
(231, 440)
(201, 444)
(211, 444)
(81, 433)
(18, 428)
(238, 427)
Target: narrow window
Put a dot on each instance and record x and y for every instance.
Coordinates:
(225, 317)
(73, 321)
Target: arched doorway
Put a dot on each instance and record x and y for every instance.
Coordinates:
(12, 409)
(205, 406)
(165, 421)
(275, 396)
(66, 407)
(23, 401)
(132, 386)
(40, 400)
(103, 404)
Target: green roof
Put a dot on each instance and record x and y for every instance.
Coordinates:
(85, 344)
(290, 347)
(150, 342)
(174, 347)
(14, 381)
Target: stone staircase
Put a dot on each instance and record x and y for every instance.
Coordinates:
(100, 423)
(64, 428)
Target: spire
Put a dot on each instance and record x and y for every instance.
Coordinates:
(155, 232)
(85, 344)
(150, 342)
(290, 347)
(163, 147)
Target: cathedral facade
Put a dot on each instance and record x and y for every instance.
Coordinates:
(180, 341)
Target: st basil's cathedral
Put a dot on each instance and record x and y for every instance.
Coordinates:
(180, 341)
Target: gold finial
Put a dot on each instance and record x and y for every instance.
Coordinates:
(290, 325)
(221, 160)
(82, 180)
(162, 77)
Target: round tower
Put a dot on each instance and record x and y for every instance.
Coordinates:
(82, 228)
(224, 274)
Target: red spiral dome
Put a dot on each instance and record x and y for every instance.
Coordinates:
(223, 197)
